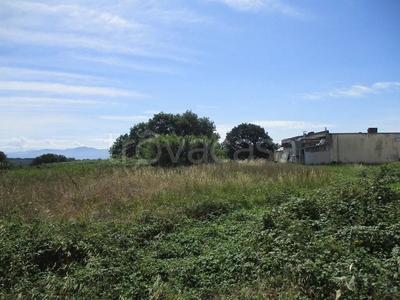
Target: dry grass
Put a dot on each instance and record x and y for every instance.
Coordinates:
(122, 192)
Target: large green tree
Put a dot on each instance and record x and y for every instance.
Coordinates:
(248, 141)
(186, 124)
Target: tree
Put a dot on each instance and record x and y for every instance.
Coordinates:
(163, 123)
(48, 159)
(5, 164)
(181, 125)
(173, 150)
(3, 157)
(248, 141)
(190, 124)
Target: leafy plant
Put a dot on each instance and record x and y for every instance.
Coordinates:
(111, 230)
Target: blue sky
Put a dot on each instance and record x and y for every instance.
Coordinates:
(80, 73)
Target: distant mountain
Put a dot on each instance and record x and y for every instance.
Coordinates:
(77, 153)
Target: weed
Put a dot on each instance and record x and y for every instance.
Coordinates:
(226, 231)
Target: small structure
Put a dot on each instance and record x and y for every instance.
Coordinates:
(324, 148)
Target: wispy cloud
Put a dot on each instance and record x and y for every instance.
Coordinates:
(122, 28)
(23, 143)
(36, 124)
(209, 106)
(18, 102)
(126, 118)
(70, 17)
(289, 125)
(159, 12)
(152, 112)
(355, 91)
(120, 63)
(9, 73)
(71, 40)
(57, 88)
(263, 5)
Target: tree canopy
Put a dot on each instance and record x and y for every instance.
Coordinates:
(186, 124)
(3, 157)
(5, 164)
(247, 141)
(48, 159)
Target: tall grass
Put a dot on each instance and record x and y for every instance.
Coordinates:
(79, 190)
(250, 230)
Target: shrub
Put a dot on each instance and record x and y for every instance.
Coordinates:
(48, 159)
(173, 150)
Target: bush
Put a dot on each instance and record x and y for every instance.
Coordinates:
(173, 150)
(48, 158)
(5, 164)
(3, 157)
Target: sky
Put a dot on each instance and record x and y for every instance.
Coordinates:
(81, 73)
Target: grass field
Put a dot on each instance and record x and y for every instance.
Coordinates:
(251, 230)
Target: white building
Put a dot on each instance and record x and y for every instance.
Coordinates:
(324, 147)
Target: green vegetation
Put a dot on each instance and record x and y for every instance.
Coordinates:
(162, 124)
(3, 157)
(185, 139)
(49, 158)
(173, 150)
(248, 141)
(21, 162)
(5, 163)
(237, 230)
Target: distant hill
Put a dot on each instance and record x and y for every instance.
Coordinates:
(77, 153)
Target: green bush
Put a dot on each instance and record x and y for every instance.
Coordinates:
(5, 164)
(173, 150)
(49, 158)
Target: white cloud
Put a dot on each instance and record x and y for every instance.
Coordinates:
(152, 112)
(17, 142)
(289, 125)
(126, 118)
(45, 102)
(71, 17)
(161, 13)
(223, 129)
(262, 5)
(135, 46)
(24, 143)
(57, 88)
(9, 73)
(209, 106)
(117, 62)
(355, 91)
(386, 85)
(61, 128)
(139, 28)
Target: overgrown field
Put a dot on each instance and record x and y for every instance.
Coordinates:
(254, 230)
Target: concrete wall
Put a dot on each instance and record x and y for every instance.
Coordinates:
(364, 147)
(314, 158)
(282, 156)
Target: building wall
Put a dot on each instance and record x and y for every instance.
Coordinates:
(282, 156)
(317, 155)
(364, 147)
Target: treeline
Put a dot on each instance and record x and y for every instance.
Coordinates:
(178, 139)
(49, 158)
(186, 139)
